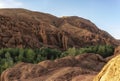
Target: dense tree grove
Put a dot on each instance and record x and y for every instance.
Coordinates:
(11, 56)
(103, 50)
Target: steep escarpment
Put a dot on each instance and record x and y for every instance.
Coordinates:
(23, 28)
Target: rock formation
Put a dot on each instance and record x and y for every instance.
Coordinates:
(111, 71)
(117, 50)
(82, 67)
(36, 29)
(43, 36)
(28, 29)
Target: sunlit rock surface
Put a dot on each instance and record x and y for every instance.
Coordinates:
(111, 71)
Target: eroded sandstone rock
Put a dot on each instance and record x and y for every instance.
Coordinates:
(63, 69)
(117, 50)
(111, 71)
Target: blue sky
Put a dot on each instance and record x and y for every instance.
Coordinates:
(104, 13)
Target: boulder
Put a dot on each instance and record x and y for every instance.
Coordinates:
(111, 71)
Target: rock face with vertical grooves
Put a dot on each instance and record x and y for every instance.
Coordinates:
(25, 28)
(111, 71)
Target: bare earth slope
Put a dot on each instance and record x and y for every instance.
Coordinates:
(24, 28)
(80, 68)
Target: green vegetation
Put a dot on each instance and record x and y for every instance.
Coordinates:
(103, 50)
(11, 56)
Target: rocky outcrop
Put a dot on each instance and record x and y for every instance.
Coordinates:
(24, 28)
(117, 50)
(64, 69)
(111, 71)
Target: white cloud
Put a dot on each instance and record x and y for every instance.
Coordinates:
(10, 4)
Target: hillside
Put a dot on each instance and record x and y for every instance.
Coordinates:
(79, 68)
(29, 29)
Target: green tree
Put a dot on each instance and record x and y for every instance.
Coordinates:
(21, 56)
(30, 55)
(8, 62)
(101, 50)
(72, 51)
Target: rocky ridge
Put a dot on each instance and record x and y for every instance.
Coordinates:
(30, 29)
(79, 68)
